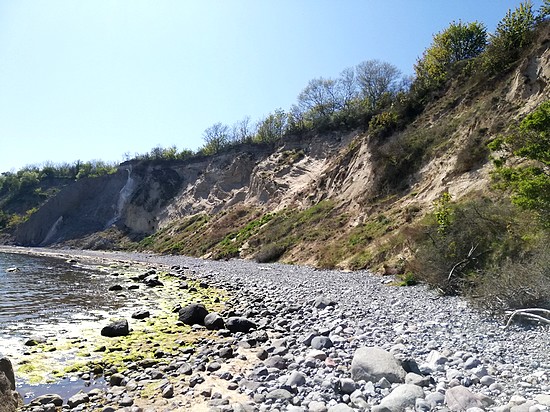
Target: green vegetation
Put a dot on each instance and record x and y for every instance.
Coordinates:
(513, 33)
(231, 245)
(478, 248)
(22, 192)
(523, 165)
(459, 42)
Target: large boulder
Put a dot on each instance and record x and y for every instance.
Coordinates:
(401, 398)
(46, 399)
(7, 368)
(372, 364)
(460, 398)
(10, 400)
(152, 281)
(239, 324)
(214, 321)
(117, 328)
(193, 314)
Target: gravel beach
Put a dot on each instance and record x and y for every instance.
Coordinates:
(323, 340)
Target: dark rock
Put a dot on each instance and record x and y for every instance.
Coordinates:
(152, 281)
(7, 368)
(126, 401)
(141, 314)
(345, 385)
(321, 342)
(214, 321)
(226, 353)
(185, 369)
(34, 341)
(78, 399)
(115, 288)
(213, 367)
(276, 362)
(10, 400)
(116, 379)
(192, 314)
(239, 324)
(195, 380)
(54, 399)
(168, 391)
(117, 328)
(262, 354)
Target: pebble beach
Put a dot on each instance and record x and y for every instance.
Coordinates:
(318, 340)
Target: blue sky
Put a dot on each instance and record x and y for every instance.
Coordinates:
(95, 79)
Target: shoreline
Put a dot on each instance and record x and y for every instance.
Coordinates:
(71, 383)
(452, 345)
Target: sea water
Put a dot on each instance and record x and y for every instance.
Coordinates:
(46, 297)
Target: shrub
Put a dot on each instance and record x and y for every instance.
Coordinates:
(513, 33)
(482, 249)
(473, 154)
(523, 162)
(383, 124)
(270, 253)
(518, 283)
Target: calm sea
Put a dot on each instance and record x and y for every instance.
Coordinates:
(47, 297)
(37, 291)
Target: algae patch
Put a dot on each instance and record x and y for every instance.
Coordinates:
(149, 341)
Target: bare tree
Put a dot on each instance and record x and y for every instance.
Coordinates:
(376, 78)
(319, 97)
(348, 88)
(242, 131)
(216, 137)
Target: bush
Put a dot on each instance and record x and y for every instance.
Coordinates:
(383, 124)
(270, 253)
(489, 251)
(518, 284)
(529, 179)
(513, 33)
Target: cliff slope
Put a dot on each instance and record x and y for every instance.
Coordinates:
(327, 199)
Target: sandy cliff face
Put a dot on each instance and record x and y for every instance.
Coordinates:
(300, 171)
(145, 196)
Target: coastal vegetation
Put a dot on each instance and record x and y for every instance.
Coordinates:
(454, 117)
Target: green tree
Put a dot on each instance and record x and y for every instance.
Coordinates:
(544, 10)
(273, 127)
(512, 33)
(458, 42)
(523, 162)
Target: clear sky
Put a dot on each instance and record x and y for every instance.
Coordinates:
(95, 79)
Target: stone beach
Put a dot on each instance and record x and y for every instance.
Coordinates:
(294, 338)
